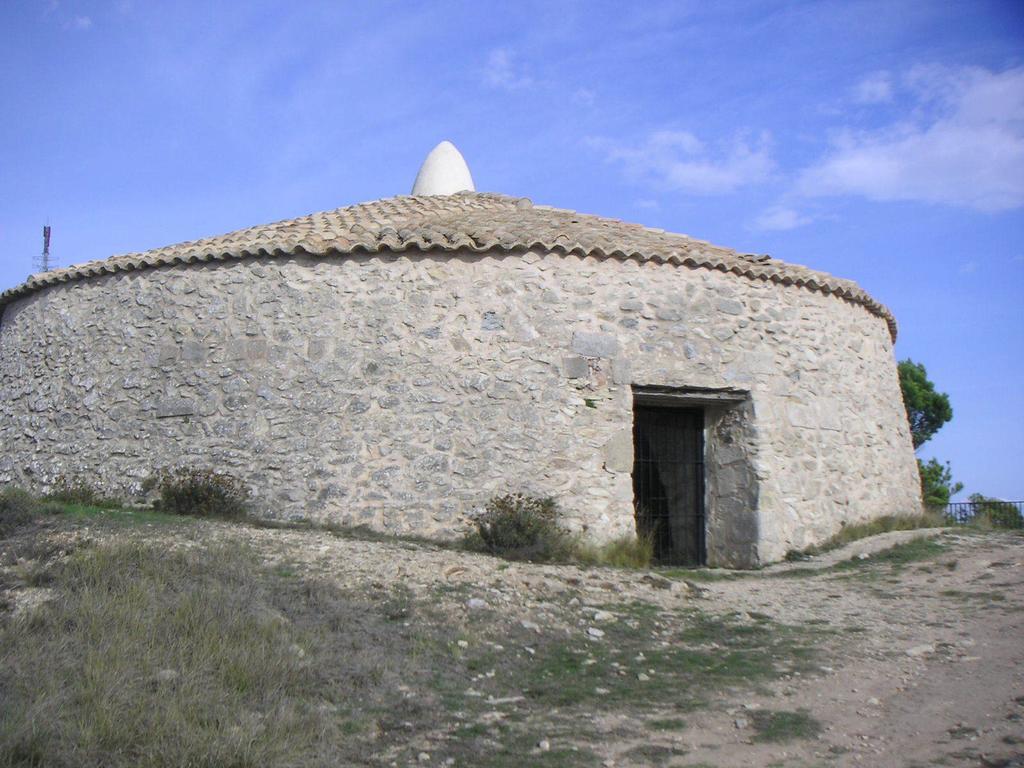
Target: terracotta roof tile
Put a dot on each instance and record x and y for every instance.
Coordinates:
(472, 221)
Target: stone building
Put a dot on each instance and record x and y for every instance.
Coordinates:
(396, 363)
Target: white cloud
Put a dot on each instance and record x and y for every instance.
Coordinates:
(962, 145)
(678, 160)
(780, 218)
(502, 72)
(968, 267)
(585, 97)
(65, 18)
(873, 89)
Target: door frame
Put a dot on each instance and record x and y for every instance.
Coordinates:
(715, 403)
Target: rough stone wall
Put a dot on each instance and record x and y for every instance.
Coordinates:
(401, 392)
(733, 527)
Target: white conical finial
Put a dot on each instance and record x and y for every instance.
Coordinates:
(444, 172)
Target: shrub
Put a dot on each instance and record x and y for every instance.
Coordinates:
(199, 492)
(76, 490)
(17, 508)
(50, 508)
(521, 527)
(995, 513)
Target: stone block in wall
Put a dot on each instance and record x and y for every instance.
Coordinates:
(590, 344)
(316, 349)
(174, 406)
(800, 416)
(164, 354)
(491, 321)
(575, 367)
(622, 371)
(830, 417)
(234, 350)
(723, 334)
(618, 452)
(257, 349)
(193, 352)
(729, 306)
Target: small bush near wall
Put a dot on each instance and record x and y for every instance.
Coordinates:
(17, 508)
(199, 492)
(76, 490)
(521, 527)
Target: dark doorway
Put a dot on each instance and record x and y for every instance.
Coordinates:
(668, 481)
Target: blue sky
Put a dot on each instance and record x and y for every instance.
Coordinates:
(879, 141)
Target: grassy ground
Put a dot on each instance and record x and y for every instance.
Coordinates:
(856, 531)
(782, 726)
(116, 515)
(153, 657)
(894, 559)
(143, 655)
(182, 652)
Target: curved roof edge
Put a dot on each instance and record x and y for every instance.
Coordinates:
(467, 221)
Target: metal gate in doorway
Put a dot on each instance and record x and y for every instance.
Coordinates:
(668, 481)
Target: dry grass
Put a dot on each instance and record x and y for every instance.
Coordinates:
(623, 552)
(782, 726)
(148, 657)
(856, 531)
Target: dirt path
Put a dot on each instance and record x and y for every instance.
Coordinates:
(934, 676)
(918, 653)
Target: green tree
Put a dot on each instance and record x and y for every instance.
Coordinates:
(937, 482)
(927, 410)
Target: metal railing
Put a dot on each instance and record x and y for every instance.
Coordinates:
(1000, 514)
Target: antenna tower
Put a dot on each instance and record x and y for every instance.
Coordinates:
(43, 262)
